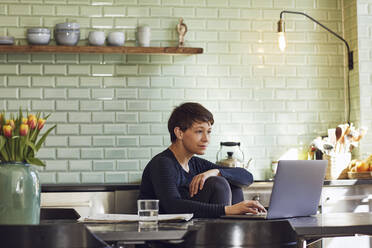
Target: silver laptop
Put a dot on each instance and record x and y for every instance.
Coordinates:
(296, 191)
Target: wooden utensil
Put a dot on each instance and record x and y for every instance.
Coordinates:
(338, 133)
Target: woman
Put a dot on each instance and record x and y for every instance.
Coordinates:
(187, 184)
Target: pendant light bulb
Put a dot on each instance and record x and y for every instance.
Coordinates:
(282, 41)
(281, 36)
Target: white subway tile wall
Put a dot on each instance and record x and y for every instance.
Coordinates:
(361, 83)
(112, 109)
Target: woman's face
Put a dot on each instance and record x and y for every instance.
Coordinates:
(196, 138)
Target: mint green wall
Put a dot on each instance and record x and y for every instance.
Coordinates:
(364, 31)
(112, 109)
(357, 14)
(351, 35)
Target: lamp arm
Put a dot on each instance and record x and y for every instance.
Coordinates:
(350, 54)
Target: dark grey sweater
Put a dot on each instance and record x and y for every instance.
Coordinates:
(166, 180)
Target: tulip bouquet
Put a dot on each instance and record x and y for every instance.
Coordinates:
(19, 138)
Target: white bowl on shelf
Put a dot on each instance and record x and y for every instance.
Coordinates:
(67, 37)
(6, 40)
(96, 38)
(38, 36)
(67, 34)
(68, 25)
(116, 39)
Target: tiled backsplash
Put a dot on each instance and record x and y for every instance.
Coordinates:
(364, 31)
(351, 35)
(112, 109)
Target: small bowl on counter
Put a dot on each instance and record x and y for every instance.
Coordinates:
(67, 34)
(38, 36)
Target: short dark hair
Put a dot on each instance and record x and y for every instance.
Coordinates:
(185, 115)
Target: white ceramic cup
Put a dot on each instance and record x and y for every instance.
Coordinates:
(148, 212)
(96, 38)
(116, 38)
(143, 36)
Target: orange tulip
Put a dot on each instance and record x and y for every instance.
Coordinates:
(23, 129)
(11, 123)
(7, 130)
(24, 120)
(40, 123)
(32, 121)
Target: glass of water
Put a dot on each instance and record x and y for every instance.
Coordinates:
(148, 211)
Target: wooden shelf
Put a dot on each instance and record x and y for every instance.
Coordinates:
(100, 49)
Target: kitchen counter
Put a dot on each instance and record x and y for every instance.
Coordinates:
(125, 186)
(217, 232)
(337, 196)
(201, 233)
(88, 187)
(293, 232)
(338, 182)
(347, 182)
(242, 233)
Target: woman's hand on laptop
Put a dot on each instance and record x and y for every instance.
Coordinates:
(243, 207)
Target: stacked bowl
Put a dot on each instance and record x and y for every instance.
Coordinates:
(38, 36)
(67, 34)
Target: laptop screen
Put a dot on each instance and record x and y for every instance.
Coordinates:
(297, 188)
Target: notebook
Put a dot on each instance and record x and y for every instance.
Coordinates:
(296, 191)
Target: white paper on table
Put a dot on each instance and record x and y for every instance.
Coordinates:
(110, 218)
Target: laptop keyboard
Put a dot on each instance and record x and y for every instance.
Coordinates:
(259, 214)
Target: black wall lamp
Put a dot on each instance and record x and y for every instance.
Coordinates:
(282, 44)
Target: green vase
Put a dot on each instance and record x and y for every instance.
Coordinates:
(19, 194)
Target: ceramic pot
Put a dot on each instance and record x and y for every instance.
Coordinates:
(96, 38)
(38, 36)
(67, 37)
(67, 34)
(116, 39)
(19, 194)
(143, 36)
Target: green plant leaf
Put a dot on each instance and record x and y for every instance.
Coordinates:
(2, 142)
(3, 118)
(14, 141)
(7, 150)
(3, 152)
(42, 139)
(33, 135)
(22, 144)
(31, 145)
(35, 161)
(5, 155)
(11, 149)
(46, 117)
